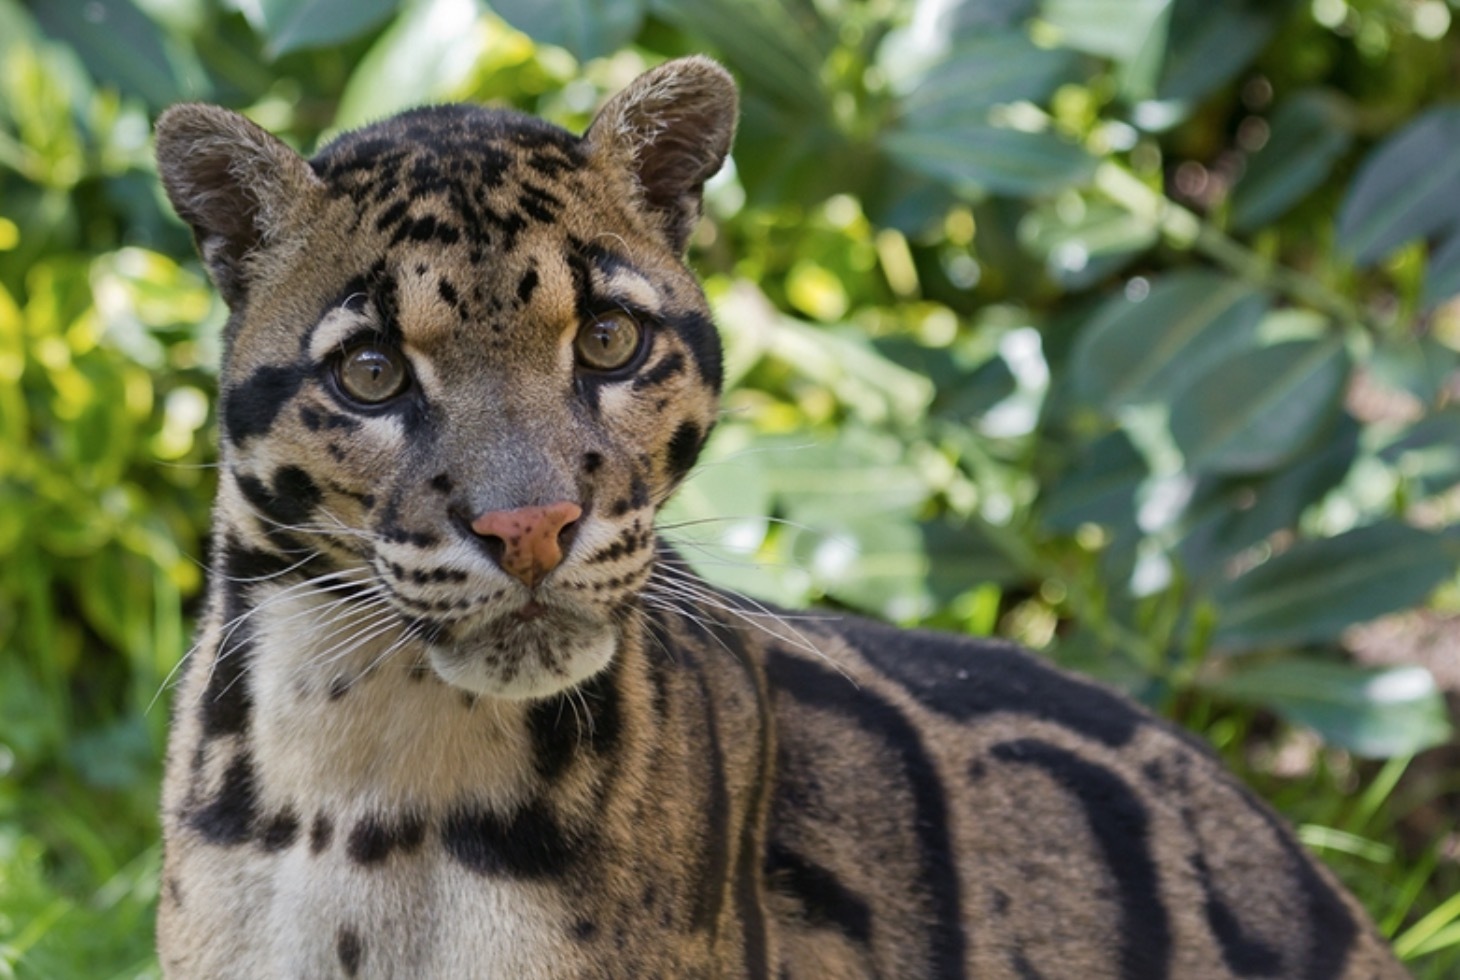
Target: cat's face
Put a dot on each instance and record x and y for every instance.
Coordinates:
(466, 365)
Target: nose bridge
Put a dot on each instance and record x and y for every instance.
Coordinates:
(505, 445)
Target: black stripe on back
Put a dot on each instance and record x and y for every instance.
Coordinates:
(1121, 828)
(817, 687)
(962, 679)
(826, 902)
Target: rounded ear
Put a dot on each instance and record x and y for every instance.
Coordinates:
(671, 129)
(234, 183)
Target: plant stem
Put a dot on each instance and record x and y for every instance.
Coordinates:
(1184, 229)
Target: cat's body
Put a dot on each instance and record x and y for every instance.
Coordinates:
(455, 714)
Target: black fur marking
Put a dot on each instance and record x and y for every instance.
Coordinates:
(228, 818)
(279, 831)
(350, 950)
(826, 902)
(638, 492)
(592, 462)
(448, 293)
(529, 843)
(1333, 929)
(441, 483)
(1120, 825)
(373, 840)
(698, 334)
(339, 687)
(669, 366)
(684, 448)
(251, 406)
(320, 833)
(1245, 956)
(818, 687)
(964, 681)
(584, 930)
(715, 851)
(526, 286)
(392, 215)
(560, 730)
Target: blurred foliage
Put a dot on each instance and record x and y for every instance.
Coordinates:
(1127, 328)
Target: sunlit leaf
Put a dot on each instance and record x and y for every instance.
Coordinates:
(420, 58)
(1151, 348)
(1375, 712)
(1407, 188)
(1309, 133)
(1259, 409)
(1317, 588)
(1112, 28)
(985, 70)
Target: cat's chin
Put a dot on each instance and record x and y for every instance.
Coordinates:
(520, 661)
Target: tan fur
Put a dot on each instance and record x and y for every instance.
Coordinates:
(390, 758)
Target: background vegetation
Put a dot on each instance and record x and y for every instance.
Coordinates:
(1125, 328)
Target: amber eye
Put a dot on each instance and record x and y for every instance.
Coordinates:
(607, 342)
(372, 374)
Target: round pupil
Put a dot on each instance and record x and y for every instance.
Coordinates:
(372, 375)
(609, 342)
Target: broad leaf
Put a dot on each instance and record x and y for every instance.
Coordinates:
(119, 46)
(1442, 273)
(1427, 454)
(989, 158)
(1317, 588)
(1115, 29)
(1374, 712)
(586, 28)
(1407, 188)
(1259, 409)
(1309, 134)
(986, 70)
(1100, 487)
(1152, 349)
(1083, 245)
(420, 58)
(1207, 44)
(294, 25)
(1227, 514)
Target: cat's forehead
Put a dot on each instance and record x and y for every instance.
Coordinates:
(450, 149)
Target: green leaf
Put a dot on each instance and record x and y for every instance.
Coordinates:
(429, 50)
(294, 25)
(1152, 349)
(1374, 712)
(1116, 29)
(1227, 514)
(986, 70)
(1421, 366)
(587, 28)
(1407, 188)
(776, 55)
(1083, 245)
(1317, 588)
(1442, 272)
(1209, 43)
(1309, 134)
(1258, 409)
(990, 158)
(873, 564)
(962, 557)
(120, 46)
(1100, 487)
(1427, 454)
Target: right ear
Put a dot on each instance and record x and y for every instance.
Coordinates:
(234, 183)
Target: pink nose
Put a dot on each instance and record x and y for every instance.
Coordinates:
(528, 542)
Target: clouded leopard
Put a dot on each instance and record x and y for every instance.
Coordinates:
(455, 712)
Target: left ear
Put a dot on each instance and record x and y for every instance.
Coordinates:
(671, 129)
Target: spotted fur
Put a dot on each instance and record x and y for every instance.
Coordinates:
(392, 758)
